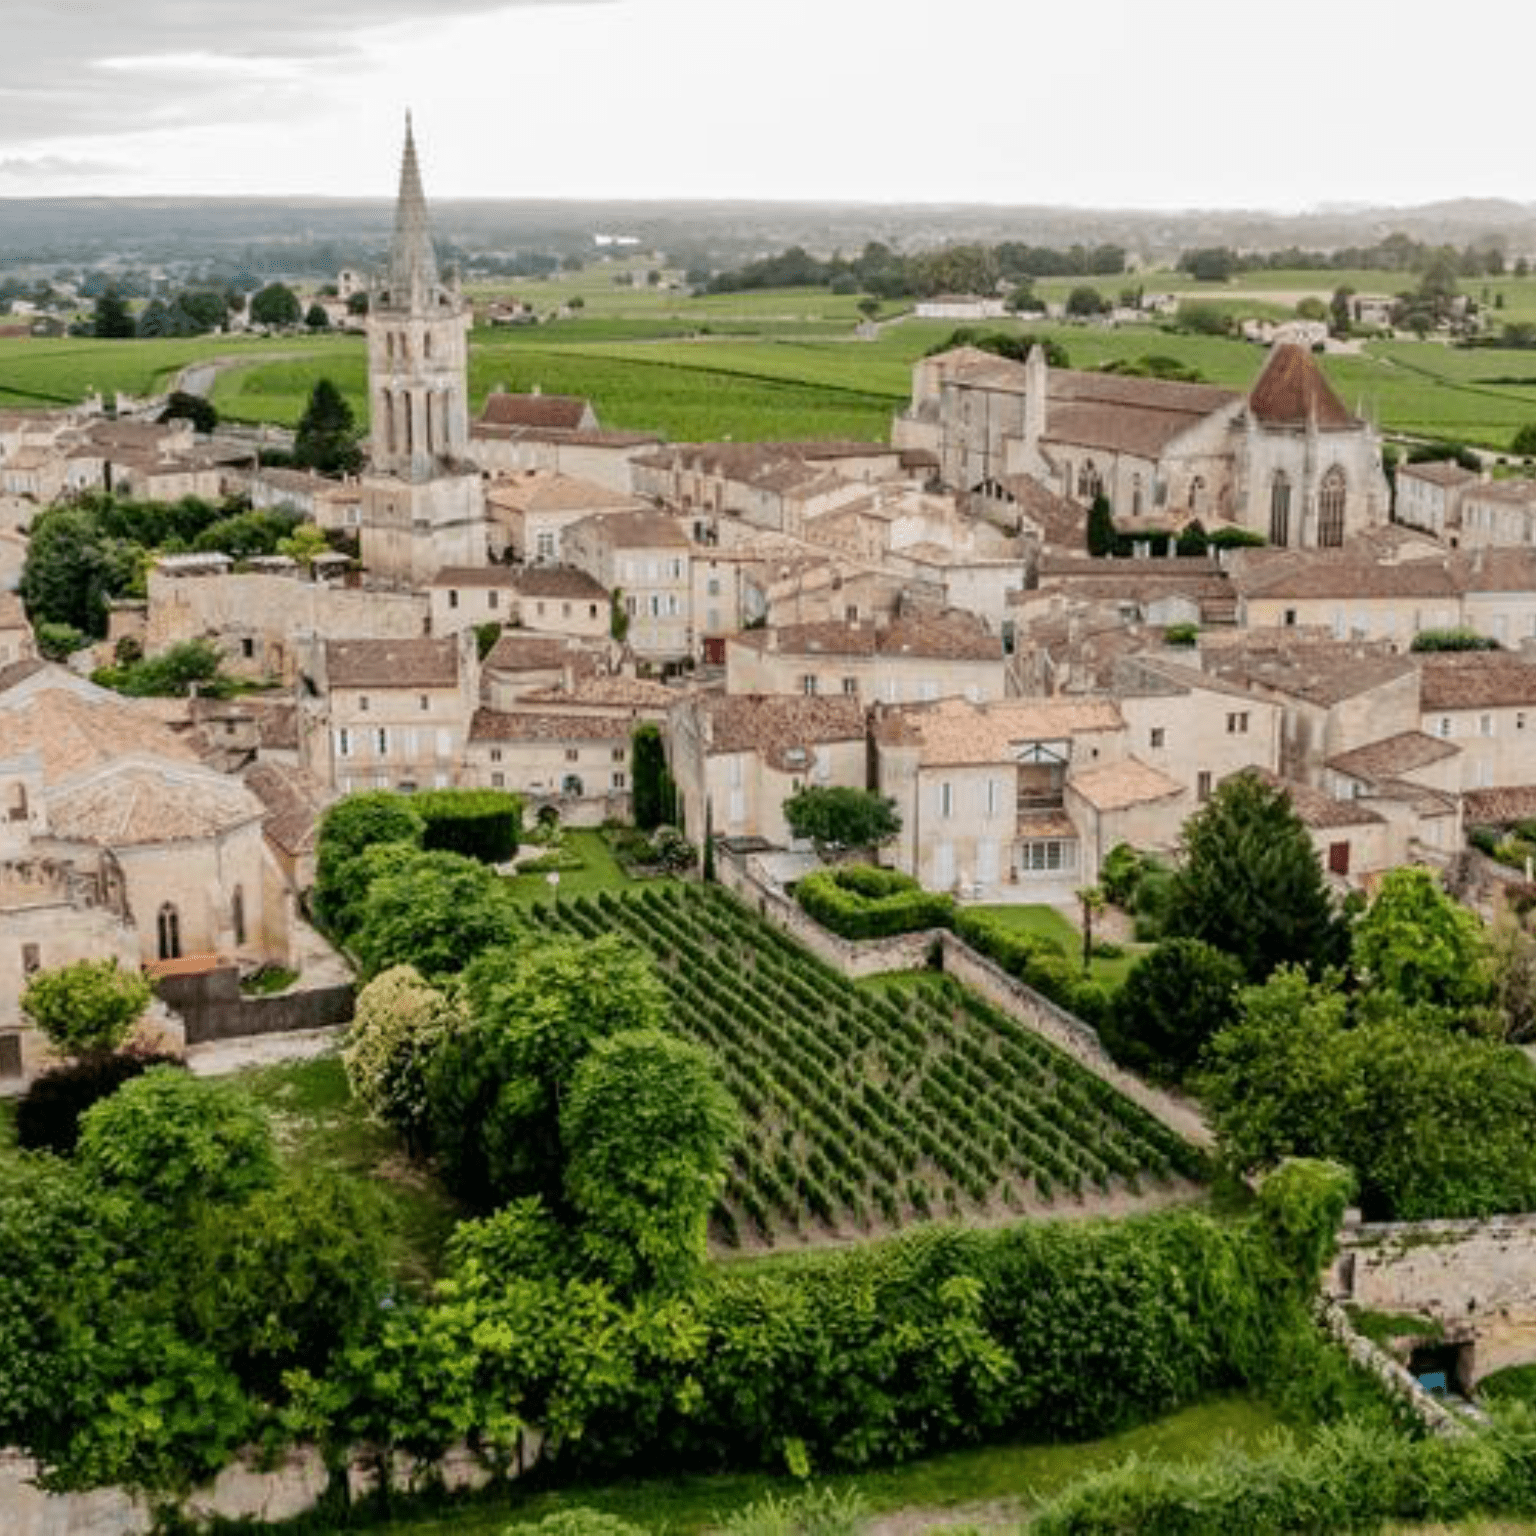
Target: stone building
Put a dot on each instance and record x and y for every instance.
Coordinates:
(422, 501)
(1288, 460)
(644, 558)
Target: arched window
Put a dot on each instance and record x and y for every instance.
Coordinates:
(572, 785)
(237, 914)
(168, 929)
(1135, 495)
(1196, 492)
(1089, 484)
(1280, 509)
(1330, 509)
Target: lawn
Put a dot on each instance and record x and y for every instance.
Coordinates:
(1049, 923)
(1007, 1479)
(319, 1127)
(600, 871)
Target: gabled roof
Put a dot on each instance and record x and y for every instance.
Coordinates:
(414, 663)
(1292, 392)
(563, 412)
(1118, 786)
(1393, 756)
(781, 728)
(1476, 680)
(958, 733)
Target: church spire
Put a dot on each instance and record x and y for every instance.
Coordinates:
(412, 262)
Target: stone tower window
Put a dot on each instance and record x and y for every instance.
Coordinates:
(1330, 509)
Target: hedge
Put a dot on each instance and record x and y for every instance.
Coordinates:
(859, 901)
(1038, 962)
(482, 824)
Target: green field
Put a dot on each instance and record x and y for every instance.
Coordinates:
(787, 363)
(998, 1484)
(865, 1110)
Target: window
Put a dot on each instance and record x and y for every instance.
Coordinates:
(545, 546)
(1158, 738)
(946, 799)
(1237, 723)
(591, 610)
(247, 647)
(1520, 720)
(565, 610)
(572, 754)
(343, 742)
(991, 797)
(168, 932)
(1443, 727)
(498, 781)
(619, 754)
(453, 597)
(495, 754)
(362, 703)
(237, 914)
(31, 958)
(423, 702)
(492, 599)
(850, 685)
(1047, 855)
(1280, 509)
(540, 606)
(618, 781)
(18, 810)
(712, 586)
(1330, 509)
(1485, 725)
(808, 683)
(1290, 618)
(1203, 784)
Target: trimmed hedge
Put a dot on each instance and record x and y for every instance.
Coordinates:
(482, 824)
(1038, 962)
(859, 901)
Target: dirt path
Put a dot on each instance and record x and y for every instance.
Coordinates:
(991, 1515)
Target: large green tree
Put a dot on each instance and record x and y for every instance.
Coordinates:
(276, 305)
(1173, 1000)
(838, 818)
(1434, 1123)
(1250, 882)
(90, 1006)
(326, 436)
(652, 791)
(497, 1084)
(111, 317)
(646, 1129)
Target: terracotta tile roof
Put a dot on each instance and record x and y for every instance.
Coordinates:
(509, 410)
(781, 728)
(619, 692)
(538, 491)
(1518, 493)
(1117, 786)
(1393, 756)
(1321, 574)
(497, 725)
(560, 581)
(293, 803)
(19, 672)
(1316, 674)
(136, 801)
(277, 724)
(416, 663)
(75, 727)
(1500, 807)
(1291, 391)
(1061, 522)
(955, 732)
(1319, 812)
(952, 635)
(1475, 680)
(1495, 570)
(639, 530)
(475, 576)
(518, 651)
(579, 437)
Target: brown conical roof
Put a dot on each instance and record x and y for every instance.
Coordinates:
(1291, 391)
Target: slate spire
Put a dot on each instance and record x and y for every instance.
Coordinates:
(412, 261)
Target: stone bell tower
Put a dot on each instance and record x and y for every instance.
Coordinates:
(422, 505)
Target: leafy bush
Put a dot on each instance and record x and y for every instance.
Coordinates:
(859, 901)
(1038, 962)
(1460, 639)
(48, 1116)
(86, 1007)
(1181, 634)
(482, 824)
(348, 830)
(1172, 1002)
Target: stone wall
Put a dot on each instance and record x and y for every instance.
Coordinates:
(1477, 1279)
(214, 1008)
(910, 951)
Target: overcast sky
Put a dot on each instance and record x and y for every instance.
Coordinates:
(1107, 103)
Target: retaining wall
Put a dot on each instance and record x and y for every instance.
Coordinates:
(214, 1008)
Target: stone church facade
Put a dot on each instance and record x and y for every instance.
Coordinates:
(423, 505)
(1287, 460)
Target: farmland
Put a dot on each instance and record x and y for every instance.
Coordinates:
(867, 1109)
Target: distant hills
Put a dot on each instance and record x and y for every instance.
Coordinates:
(332, 231)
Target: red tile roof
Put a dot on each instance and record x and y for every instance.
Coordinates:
(1291, 391)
